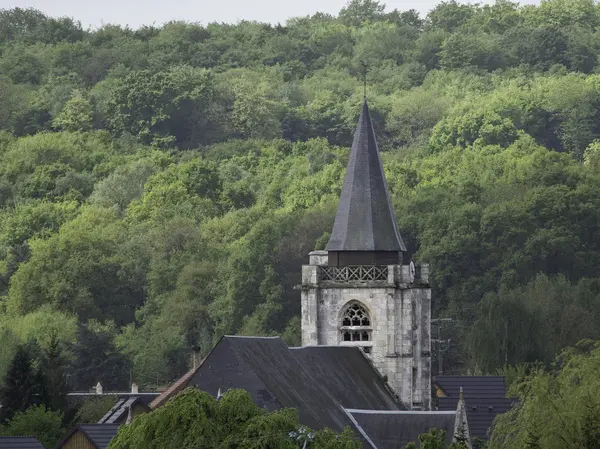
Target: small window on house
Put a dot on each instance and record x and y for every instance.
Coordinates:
(356, 324)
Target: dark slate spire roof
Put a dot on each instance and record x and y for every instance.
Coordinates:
(365, 218)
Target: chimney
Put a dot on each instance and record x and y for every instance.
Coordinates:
(196, 357)
(134, 388)
(98, 388)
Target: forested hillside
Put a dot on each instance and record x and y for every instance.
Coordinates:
(161, 187)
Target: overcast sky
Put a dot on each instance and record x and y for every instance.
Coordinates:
(146, 12)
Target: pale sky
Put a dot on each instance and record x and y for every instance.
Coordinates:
(147, 12)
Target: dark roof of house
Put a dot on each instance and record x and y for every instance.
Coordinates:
(394, 430)
(480, 412)
(365, 219)
(314, 381)
(120, 410)
(473, 386)
(20, 443)
(99, 435)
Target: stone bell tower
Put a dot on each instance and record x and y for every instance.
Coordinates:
(360, 291)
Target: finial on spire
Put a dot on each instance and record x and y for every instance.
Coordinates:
(461, 395)
(364, 71)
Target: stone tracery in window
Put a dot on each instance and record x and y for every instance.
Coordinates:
(356, 324)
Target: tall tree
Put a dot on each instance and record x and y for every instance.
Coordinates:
(23, 386)
(54, 364)
(96, 359)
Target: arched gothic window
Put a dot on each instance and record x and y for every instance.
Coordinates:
(356, 324)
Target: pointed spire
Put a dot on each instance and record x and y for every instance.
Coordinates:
(461, 424)
(219, 394)
(365, 219)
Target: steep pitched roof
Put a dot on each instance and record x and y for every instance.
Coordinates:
(99, 435)
(20, 443)
(348, 375)
(473, 386)
(277, 376)
(365, 219)
(394, 430)
(480, 412)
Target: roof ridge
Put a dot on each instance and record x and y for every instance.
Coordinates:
(400, 412)
(252, 337)
(18, 436)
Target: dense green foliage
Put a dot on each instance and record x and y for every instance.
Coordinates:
(196, 419)
(557, 408)
(435, 439)
(161, 187)
(24, 384)
(45, 425)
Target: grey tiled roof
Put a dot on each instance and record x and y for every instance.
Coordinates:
(20, 443)
(473, 386)
(485, 398)
(365, 218)
(394, 430)
(315, 381)
(119, 410)
(348, 376)
(480, 412)
(98, 434)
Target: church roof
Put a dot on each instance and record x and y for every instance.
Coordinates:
(394, 430)
(313, 380)
(365, 218)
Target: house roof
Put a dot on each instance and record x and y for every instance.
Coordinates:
(145, 398)
(480, 412)
(314, 381)
(473, 386)
(99, 435)
(395, 429)
(20, 443)
(365, 219)
(120, 410)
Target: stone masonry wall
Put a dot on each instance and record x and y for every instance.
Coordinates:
(400, 313)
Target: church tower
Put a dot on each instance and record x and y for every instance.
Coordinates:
(360, 291)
